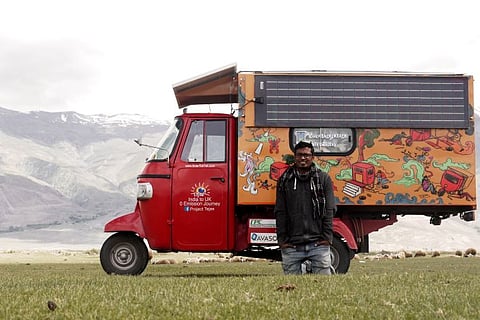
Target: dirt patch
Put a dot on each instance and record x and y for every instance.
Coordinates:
(54, 256)
(87, 256)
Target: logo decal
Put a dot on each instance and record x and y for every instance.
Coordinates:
(200, 199)
(200, 190)
(257, 237)
(262, 223)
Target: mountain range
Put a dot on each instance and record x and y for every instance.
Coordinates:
(64, 174)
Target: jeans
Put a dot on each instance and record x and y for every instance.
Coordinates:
(318, 255)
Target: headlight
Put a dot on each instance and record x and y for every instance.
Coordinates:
(144, 191)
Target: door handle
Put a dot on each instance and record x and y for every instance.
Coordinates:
(222, 179)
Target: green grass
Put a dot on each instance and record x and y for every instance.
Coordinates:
(415, 288)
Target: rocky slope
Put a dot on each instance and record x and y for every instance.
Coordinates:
(67, 171)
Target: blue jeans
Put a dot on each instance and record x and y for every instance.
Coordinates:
(318, 255)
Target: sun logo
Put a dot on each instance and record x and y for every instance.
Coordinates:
(200, 190)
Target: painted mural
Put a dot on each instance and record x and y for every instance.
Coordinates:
(386, 167)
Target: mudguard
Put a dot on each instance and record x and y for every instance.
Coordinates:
(344, 232)
(131, 222)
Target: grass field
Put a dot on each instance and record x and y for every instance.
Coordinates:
(445, 287)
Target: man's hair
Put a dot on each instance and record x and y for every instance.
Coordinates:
(303, 144)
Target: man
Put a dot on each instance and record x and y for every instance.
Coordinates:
(304, 212)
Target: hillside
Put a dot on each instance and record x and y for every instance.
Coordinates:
(66, 171)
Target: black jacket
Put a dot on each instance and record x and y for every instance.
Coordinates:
(302, 215)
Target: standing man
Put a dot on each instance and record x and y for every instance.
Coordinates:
(304, 212)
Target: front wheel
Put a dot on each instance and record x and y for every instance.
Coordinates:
(125, 254)
(340, 255)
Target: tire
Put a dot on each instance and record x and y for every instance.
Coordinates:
(124, 254)
(341, 256)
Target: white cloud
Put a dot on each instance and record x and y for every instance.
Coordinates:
(45, 74)
(124, 56)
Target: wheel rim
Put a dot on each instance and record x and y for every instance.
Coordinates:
(123, 256)
(334, 257)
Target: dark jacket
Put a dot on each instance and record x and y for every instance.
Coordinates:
(304, 207)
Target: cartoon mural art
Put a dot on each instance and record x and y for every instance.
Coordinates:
(253, 169)
(262, 136)
(366, 139)
(276, 170)
(386, 166)
(248, 172)
(382, 179)
(397, 139)
(416, 169)
(259, 174)
(265, 185)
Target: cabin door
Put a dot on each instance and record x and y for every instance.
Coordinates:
(200, 188)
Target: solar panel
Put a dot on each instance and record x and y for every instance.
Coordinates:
(361, 101)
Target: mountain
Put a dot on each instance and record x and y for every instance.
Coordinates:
(66, 171)
(79, 130)
(64, 174)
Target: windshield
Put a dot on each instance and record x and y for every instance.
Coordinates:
(166, 144)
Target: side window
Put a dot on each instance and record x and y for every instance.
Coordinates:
(215, 143)
(325, 140)
(205, 142)
(193, 149)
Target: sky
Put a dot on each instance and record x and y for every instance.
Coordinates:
(110, 57)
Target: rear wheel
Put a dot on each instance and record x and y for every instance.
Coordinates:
(125, 254)
(340, 256)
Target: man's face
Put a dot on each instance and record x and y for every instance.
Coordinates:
(303, 159)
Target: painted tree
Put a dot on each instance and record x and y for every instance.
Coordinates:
(366, 139)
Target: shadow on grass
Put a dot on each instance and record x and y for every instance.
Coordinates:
(214, 270)
(207, 275)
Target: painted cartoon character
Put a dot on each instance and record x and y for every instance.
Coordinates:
(266, 137)
(382, 179)
(274, 145)
(428, 186)
(248, 172)
(265, 185)
(396, 139)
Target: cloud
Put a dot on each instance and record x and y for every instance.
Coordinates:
(95, 57)
(47, 73)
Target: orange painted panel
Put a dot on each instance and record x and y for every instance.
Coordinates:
(388, 166)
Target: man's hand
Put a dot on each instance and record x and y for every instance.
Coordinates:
(323, 243)
(286, 245)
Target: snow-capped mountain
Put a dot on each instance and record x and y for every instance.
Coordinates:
(76, 129)
(65, 170)
(64, 174)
